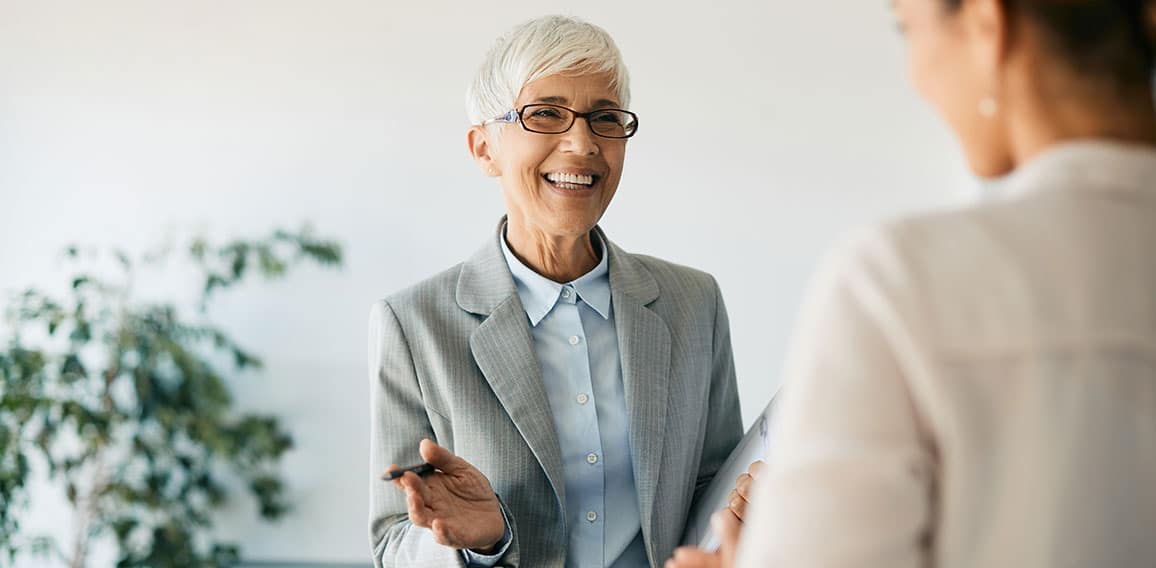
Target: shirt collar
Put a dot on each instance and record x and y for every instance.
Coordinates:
(539, 294)
(1084, 164)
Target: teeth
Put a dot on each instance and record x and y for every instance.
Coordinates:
(570, 178)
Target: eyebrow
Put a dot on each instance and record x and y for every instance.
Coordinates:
(600, 103)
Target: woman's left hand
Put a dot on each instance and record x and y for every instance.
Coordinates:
(740, 496)
(727, 526)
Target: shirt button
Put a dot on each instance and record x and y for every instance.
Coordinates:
(591, 516)
(583, 398)
(574, 340)
(566, 293)
(592, 458)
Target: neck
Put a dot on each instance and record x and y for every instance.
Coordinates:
(1049, 121)
(560, 258)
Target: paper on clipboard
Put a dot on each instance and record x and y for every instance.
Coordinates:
(754, 446)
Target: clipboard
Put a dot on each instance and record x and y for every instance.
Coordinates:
(754, 446)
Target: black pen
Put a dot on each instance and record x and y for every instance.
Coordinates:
(420, 469)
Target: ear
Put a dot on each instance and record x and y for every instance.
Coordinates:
(482, 149)
(986, 23)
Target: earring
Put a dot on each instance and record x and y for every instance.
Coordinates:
(988, 107)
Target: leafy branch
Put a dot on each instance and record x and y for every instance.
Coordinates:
(126, 405)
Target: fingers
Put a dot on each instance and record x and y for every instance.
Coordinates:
(745, 481)
(412, 482)
(757, 468)
(419, 514)
(727, 526)
(392, 467)
(691, 557)
(417, 499)
(743, 485)
(414, 503)
(740, 497)
(737, 504)
(441, 458)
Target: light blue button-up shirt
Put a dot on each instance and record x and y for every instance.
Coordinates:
(577, 347)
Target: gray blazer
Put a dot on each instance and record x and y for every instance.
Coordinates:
(452, 359)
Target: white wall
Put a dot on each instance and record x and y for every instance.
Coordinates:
(768, 128)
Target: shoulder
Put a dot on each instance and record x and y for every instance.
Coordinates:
(679, 294)
(946, 273)
(433, 293)
(677, 280)
(919, 247)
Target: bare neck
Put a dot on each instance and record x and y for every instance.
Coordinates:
(1043, 121)
(559, 258)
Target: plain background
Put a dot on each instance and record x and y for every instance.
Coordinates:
(768, 129)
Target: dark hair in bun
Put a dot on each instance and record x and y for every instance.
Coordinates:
(1108, 38)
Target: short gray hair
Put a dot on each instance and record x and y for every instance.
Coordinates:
(541, 47)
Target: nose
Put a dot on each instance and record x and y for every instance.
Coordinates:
(580, 139)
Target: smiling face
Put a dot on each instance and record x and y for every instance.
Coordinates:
(555, 185)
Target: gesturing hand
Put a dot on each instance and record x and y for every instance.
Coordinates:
(456, 502)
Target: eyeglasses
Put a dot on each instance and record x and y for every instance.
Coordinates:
(553, 119)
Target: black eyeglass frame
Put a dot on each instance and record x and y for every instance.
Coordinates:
(515, 115)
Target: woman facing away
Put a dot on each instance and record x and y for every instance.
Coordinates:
(978, 387)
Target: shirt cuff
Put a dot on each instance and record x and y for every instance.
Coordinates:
(474, 559)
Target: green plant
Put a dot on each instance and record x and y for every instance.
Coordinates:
(128, 406)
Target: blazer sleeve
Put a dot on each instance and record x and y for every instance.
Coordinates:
(851, 475)
(724, 425)
(398, 423)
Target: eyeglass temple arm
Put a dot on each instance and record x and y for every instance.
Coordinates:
(511, 116)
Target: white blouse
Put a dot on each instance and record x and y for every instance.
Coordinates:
(978, 387)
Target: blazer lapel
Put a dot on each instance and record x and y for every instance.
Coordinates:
(644, 345)
(504, 351)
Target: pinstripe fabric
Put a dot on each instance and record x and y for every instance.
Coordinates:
(452, 359)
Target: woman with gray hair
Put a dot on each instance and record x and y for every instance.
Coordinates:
(572, 398)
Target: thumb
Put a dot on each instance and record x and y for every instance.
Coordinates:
(727, 525)
(441, 458)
